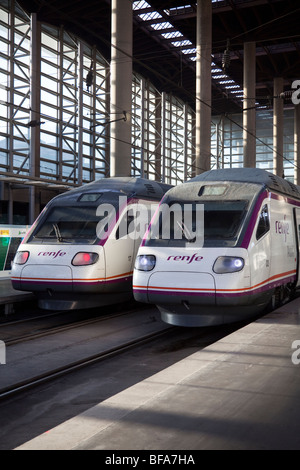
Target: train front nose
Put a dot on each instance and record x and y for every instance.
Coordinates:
(65, 270)
(187, 288)
(179, 295)
(47, 278)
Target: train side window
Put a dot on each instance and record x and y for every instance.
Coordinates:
(264, 222)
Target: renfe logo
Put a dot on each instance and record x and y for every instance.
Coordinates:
(52, 254)
(282, 227)
(189, 259)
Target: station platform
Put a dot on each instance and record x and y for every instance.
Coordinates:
(239, 393)
(10, 296)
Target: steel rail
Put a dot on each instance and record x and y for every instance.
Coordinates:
(41, 379)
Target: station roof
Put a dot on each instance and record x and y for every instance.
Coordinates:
(164, 41)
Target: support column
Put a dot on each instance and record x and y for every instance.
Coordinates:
(194, 149)
(106, 129)
(297, 144)
(158, 136)
(185, 142)
(203, 86)
(80, 113)
(278, 128)
(143, 120)
(121, 88)
(35, 61)
(249, 114)
(163, 137)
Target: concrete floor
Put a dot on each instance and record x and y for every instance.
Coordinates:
(241, 392)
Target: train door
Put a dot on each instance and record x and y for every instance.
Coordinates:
(261, 250)
(297, 229)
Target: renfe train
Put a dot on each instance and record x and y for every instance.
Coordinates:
(241, 257)
(80, 251)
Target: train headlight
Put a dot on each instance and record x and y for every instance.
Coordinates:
(21, 257)
(228, 264)
(145, 262)
(84, 259)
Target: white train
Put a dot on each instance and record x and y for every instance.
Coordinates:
(81, 250)
(241, 256)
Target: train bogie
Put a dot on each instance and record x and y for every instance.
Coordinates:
(245, 257)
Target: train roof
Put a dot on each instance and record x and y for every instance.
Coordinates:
(128, 186)
(250, 175)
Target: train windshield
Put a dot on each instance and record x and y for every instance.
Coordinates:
(67, 225)
(223, 220)
(205, 223)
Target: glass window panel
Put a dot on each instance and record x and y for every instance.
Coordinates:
(4, 16)
(22, 40)
(87, 150)
(3, 92)
(21, 161)
(48, 111)
(86, 175)
(68, 92)
(48, 83)
(99, 164)
(87, 163)
(68, 157)
(86, 137)
(49, 139)
(50, 126)
(48, 153)
(19, 100)
(22, 61)
(48, 97)
(22, 132)
(3, 155)
(48, 167)
(66, 171)
(95, 141)
(49, 41)
(3, 44)
(4, 64)
(49, 69)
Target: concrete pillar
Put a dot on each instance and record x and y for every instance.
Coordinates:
(203, 86)
(249, 121)
(278, 128)
(121, 88)
(297, 144)
(35, 119)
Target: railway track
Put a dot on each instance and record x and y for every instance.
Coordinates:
(37, 358)
(72, 367)
(12, 335)
(36, 322)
